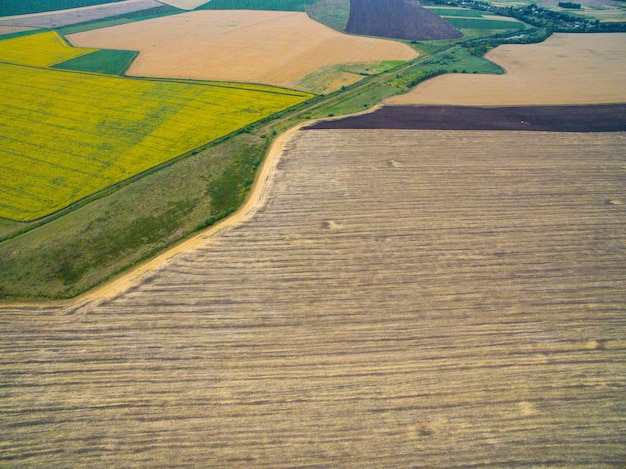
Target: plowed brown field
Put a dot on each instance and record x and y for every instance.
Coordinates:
(278, 48)
(565, 69)
(401, 299)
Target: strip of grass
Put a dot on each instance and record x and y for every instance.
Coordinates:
(25, 7)
(275, 5)
(332, 13)
(106, 61)
(142, 15)
(464, 12)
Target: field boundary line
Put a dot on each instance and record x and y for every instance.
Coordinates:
(76, 308)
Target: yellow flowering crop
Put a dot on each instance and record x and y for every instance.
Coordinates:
(66, 135)
(41, 50)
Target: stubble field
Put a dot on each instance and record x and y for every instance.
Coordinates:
(278, 48)
(564, 69)
(398, 299)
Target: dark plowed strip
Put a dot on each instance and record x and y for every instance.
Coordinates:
(589, 118)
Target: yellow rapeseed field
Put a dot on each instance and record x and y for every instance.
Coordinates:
(66, 135)
(41, 50)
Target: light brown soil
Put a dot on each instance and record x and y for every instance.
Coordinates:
(401, 299)
(277, 48)
(565, 69)
(184, 4)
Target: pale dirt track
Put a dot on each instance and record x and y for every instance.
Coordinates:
(400, 299)
(564, 69)
(277, 48)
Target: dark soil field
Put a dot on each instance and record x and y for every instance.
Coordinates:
(397, 19)
(596, 118)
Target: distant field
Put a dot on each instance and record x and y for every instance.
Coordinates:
(276, 5)
(565, 69)
(56, 19)
(465, 18)
(24, 7)
(68, 135)
(279, 48)
(108, 61)
(39, 50)
(184, 4)
(484, 23)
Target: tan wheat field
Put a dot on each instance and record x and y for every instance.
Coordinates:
(564, 69)
(394, 299)
(278, 48)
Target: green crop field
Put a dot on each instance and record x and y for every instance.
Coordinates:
(67, 135)
(465, 18)
(484, 23)
(279, 5)
(107, 61)
(449, 11)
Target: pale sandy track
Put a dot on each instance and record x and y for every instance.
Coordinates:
(400, 299)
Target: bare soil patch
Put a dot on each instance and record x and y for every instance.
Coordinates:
(599, 118)
(184, 4)
(399, 19)
(565, 69)
(276, 48)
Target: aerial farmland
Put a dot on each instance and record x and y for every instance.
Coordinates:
(395, 254)
(276, 42)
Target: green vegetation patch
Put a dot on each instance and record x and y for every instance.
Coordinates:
(25, 7)
(448, 12)
(484, 23)
(276, 5)
(86, 246)
(332, 13)
(106, 61)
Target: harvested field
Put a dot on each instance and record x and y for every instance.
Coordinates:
(565, 69)
(277, 48)
(401, 299)
(56, 19)
(599, 118)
